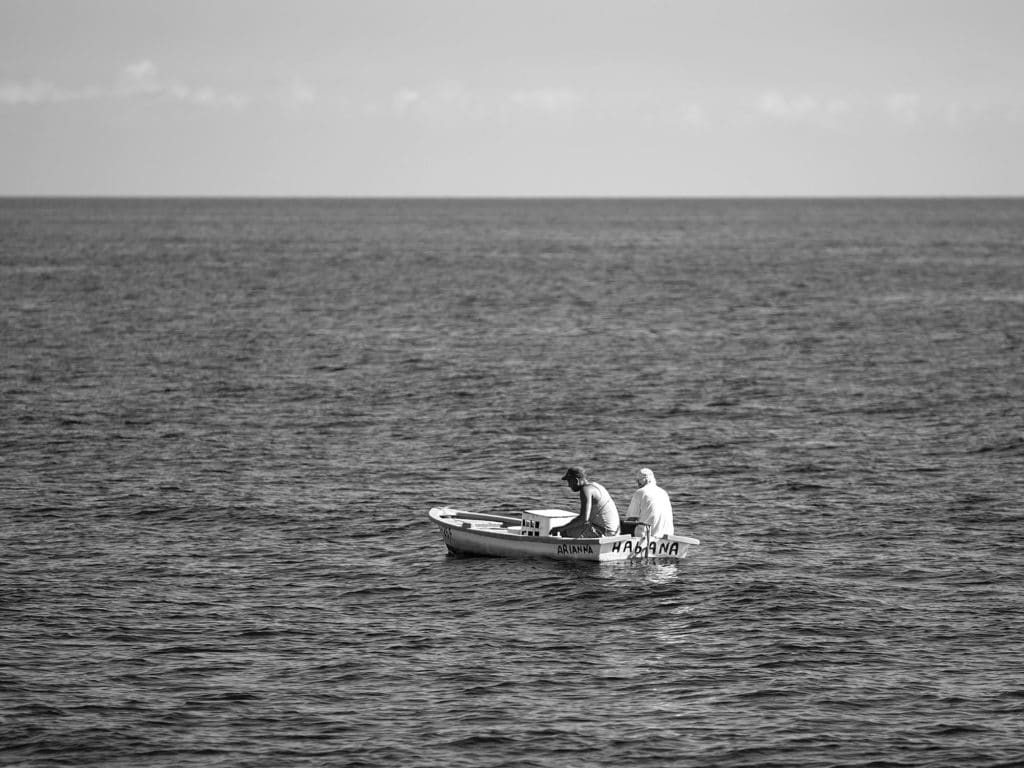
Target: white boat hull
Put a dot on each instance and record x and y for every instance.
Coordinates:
(468, 533)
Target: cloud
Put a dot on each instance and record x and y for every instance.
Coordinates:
(405, 100)
(449, 99)
(42, 92)
(900, 109)
(777, 105)
(969, 114)
(838, 107)
(805, 108)
(301, 93)
(549, 100)
(454, 100)
(452, 95)
(690, 115)
(140, 79)
(904, 108)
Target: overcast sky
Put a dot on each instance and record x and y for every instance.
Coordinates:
(516, 97)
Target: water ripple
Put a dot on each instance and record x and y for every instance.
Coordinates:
(222, 423)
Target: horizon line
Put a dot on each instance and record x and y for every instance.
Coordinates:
(486, 197)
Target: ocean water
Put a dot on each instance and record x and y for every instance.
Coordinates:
(222, 423)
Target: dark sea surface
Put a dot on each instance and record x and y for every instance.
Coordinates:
(222, 423)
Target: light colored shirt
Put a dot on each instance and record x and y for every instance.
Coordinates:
(651, 505)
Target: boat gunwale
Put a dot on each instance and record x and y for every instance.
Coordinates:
(504, 533)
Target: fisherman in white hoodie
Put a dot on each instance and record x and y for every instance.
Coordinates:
(651, 507)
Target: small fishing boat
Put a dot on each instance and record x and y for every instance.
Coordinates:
(527, 534)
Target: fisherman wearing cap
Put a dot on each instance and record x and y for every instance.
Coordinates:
(598, 514)
(651, 507)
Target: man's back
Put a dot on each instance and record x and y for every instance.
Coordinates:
(652, 506)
